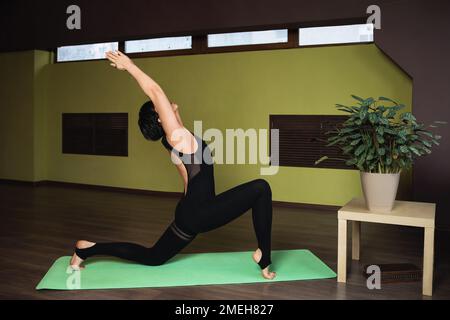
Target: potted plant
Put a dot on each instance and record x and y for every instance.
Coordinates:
(380, 143)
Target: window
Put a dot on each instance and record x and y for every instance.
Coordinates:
(95, 133)
(85, 51)
(302, 140)
(247, 38)
(158, 44)
(223, 42)
(337, 34)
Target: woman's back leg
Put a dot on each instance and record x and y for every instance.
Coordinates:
(169, 244)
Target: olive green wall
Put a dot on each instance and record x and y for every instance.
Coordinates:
(23, 90)
(231, 90)
(42, 61)
(16, 116)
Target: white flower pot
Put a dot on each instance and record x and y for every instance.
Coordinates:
(380, 190)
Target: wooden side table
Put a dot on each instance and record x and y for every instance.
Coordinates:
(404, 213)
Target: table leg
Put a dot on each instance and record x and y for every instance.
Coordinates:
(356, 239)
(428, 257)
(342, 251)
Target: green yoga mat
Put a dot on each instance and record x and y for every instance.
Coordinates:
(184, 270)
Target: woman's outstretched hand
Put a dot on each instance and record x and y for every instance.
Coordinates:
(118, 60)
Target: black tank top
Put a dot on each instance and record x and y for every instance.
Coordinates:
(199, 167)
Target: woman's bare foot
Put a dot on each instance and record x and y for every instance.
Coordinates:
(268, 274)
(265, 272)
(257, 255)
(75, 262)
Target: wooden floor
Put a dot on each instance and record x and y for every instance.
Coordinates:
(41, 224)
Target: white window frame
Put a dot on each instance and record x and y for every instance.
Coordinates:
(108, 46)
(332, 35)
(233, 37)
(155, 41)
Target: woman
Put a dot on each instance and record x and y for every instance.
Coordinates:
(200, 209)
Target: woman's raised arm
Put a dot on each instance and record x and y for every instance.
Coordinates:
(162, 104)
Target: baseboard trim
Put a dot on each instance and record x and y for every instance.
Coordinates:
(312, 206)
(19, 182)
(167, 194)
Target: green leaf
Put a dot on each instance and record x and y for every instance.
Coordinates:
(346, 110)
(404, 149)
(381, 151)
(381, 109)
(402, 133)
(391, 113)
(347, 149)
(333, 138)
(351, 162)
(396, 108)
(395, 153)
(361, 161)
(390, 131)
(407, 116)
(320, 160)
(360, 149)
(380, 130)
(358, 98)
(435, 142)
(388, 161)
(427, 133)
(387, 99)
(363, 113)
(418, 126)
(428, 151)
(355, 142)
(336, 142)
(373, 117)
(348, 123)
(414, 150)
(384, 121)
(380, 139)
(348, 129)
(368, 101)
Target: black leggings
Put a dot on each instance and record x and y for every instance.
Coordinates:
(198, 218)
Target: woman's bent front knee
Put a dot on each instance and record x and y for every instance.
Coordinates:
(262, 186)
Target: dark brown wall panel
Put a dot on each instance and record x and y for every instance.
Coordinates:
(95, 133)
(303, 140)
(415, 35)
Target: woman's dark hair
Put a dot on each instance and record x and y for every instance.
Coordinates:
(148, 122)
